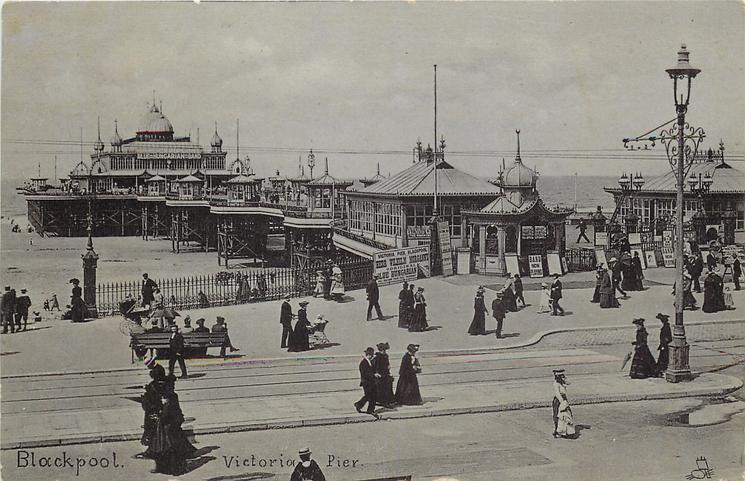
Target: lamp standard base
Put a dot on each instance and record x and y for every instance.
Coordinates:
(679, 368)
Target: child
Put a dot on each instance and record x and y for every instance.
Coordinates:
(545, 304)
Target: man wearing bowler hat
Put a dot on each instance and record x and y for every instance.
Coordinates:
(373, 297)
(307, 469)
(368, 381)
(176, 351)
(285, 319)
(498, 311)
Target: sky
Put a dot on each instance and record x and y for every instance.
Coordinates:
(356, 79)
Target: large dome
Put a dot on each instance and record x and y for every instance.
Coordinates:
(155, 122)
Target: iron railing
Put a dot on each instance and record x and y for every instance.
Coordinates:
(233, 287)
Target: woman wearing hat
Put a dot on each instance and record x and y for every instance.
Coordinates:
(419, 319)
(545, 304)
(170, 446)
(666, 337)
(478, 324)
(77, 306)
(643, 364)
(598, 282)
(407, 389)
(607, 291)
(299, 338)
(337, 286)
(562, 412)
(382, 366)
(405, 305)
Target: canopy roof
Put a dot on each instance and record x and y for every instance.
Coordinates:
(726, 180)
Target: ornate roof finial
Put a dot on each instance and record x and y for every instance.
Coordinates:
(378, 168)
(517, 157)
(326, 167)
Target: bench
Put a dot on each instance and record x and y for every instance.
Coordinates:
(193, 341)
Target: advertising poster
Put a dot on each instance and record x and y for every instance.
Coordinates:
(398, 265)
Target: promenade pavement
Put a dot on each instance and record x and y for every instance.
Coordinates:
(255, 328)
(89, 408)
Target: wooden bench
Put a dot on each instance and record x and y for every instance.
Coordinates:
(192, 341)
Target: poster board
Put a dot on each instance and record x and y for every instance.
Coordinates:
(667, 239)
(650, 258)
(540, 232)
(535, 264)
(443, 237)
(554, 263)
(642, 257)
(564, 265)
(600, 258)
(511, 264)
(635, 238)
(397, 265)
(601, 238)
(668, 257)
(527, 232)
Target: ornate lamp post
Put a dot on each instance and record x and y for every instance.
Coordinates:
(681, 143)
(311, 162)
(700, 185)
(629, 185)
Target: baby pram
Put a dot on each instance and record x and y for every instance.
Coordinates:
(317, 337)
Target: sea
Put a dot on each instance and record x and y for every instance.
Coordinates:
(553, 190)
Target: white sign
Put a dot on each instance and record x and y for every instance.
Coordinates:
(443, 236)
(650, 258)
(536, 266)
(398, 265)
(668, 257)
(601, 238)
(511, 264)
(635, 238)
(600, 258)
(554, 263)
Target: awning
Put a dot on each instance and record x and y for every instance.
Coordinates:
(355, 247)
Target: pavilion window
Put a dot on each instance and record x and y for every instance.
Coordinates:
(740, 208)
(418, 215)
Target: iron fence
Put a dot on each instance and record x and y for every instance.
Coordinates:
(232, 287)
(580, 259)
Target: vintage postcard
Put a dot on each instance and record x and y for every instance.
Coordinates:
(372, 241)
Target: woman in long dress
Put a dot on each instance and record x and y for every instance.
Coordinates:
(607, 292)
(77, 306)
(403, 306)
(419, 319)
(544, 305)
(407, 389)
(598, 283)
(666, 337)
(711, 296)
(337, 286)
(636, 264)
(382, 365)
(171, 446)
(298, 341)
(643, 364)
(508, 296)
(320, 281)
(562, 412)
(478, 324)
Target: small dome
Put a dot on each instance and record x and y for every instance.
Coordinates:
(216, 140)
(519, 175)
(98, 145)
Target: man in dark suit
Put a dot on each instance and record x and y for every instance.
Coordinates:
(373, 296)
(556, 296)
(220, 326)
(148, 287)
(285, 318)
(368, 378)
(698, 269)
(176, 351)
(7, 310)
(23, 303)
(498, 312)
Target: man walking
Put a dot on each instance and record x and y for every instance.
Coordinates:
(368, 378)
(615, 267)
(736, 272)
(285, 318)
(373, 296)
(176, 351)
(582, 229)
(498, 311)
(556, 296)
(23, 302)
(698, 269)
(7, 309)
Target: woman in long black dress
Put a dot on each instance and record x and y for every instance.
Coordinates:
(404, 315)
(508, 296)
(419, 319)
(598, 284)
(407, 389)
(171, 447)
(666, 337)
(711, 296)
(382, 365)
(636, 264)
(77, 306)
(478, 324)
(643, 364)
(298, 341)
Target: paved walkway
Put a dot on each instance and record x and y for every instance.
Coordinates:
(74, 409)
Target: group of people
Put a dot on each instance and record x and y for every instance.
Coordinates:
(297, 338)
(551, 296)
(245, 292)
(167, 443)
(643, 364)
(14, 310)
(715, 299)
(412, 308)
(619, 276)
(377, 383)
(330, 282)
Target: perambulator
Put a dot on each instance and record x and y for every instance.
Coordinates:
(318, 337)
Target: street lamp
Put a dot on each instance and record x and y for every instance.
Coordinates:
(629, 184)
(681, 143)
(684, 72)
(311, 162)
